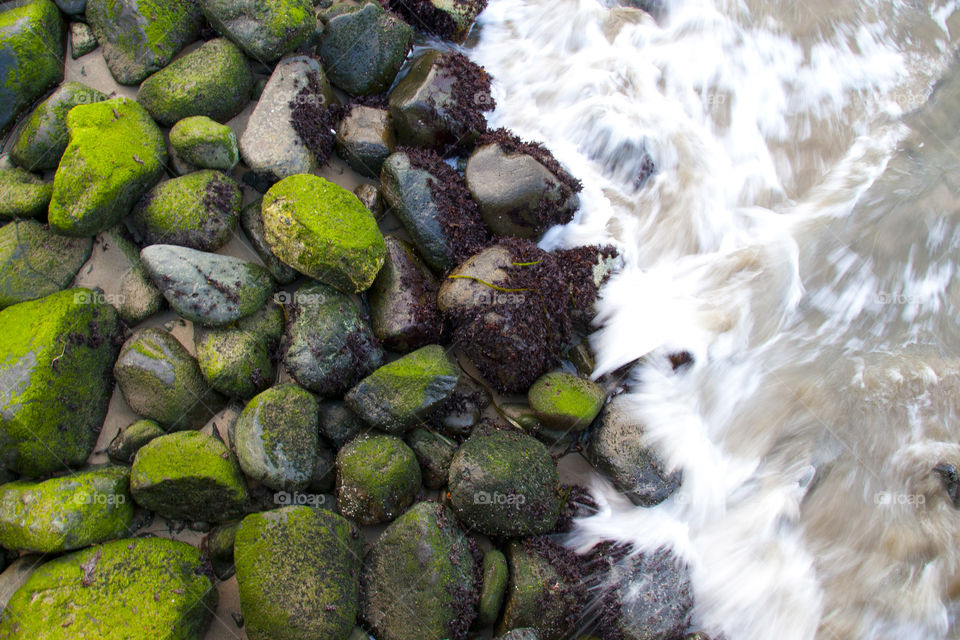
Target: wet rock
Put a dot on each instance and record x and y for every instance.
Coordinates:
(161, 381)
(266, 29)
(190, 476)
(339, 424)
(324, 474)
(55, 382)
(67, 512)
(35, 262)
(271, 144)
(82, 39)
(298, 574)
(434, 453)
(201, 143)
(218, 546)
(377, 478)
(323, 231)
(276, 437)
(165, 579)
(618, 451)
(495, 575)
(365, 139)
(198, 210)
(369, 196)
(432, 202)
(40, 141)
(399, 394)
(458, 414)
(328, 347)
(32, 37)
(240, 360)
(72, 7)
(403, 300)
(115, 154)
(208, 288)
(504, 483)
(440, 102)
(252, 224)
(652, 595)
(420, 578)
(449, 20)
(565, 401)
(140, 37)
(212, 81)
(23, 195)
(128, 441)
(363, 48)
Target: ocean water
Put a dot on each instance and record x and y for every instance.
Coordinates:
(799, 237)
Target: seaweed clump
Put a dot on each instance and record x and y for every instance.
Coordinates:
(424, 15)
(470, 93)
(315, 119)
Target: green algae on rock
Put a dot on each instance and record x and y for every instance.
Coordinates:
(35, 262)
(495, 574)
(399, 394)
(265, 29)
(32, 42)
(252, 224)
(131, 588)
(218, 546)
(115, 154)
(140, 37)
(188, 475)
(298, 574)
(82, 40)
(565, 401)
(131, 439)
(56, 354)
(323, 231)
(213, 80)
(23, 195)
(420, 578)
(66, 512)
(378, 477)
(199, 142)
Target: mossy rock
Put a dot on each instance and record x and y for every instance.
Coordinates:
(140, 37)
(323, 231)
(115, 154)
(252, 224)
(377, 478)
(189, 476)
(328, 346)
(265, 29)
(565, 401)
(32, 41)
(23, 195)
(504, 483)
(203, 143)
(218, 546)
(495, 575)
(434, 453)
(124, 446)
(82, 39)
(419, 578)
(35, 262)
(67, 512)
(298, 573)
(161, 381)
(277, 437)
(132, 588)
(213, 80)
(399, 394)
(240, 360)
(198, 210)
(55, 384)
(42, 138)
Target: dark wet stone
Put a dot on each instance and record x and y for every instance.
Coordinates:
(365, 139)
(130, 439)
(377, 478)
(434, 453)
(653, 596)
(339, 424)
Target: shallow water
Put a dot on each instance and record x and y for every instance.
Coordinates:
(799, 238)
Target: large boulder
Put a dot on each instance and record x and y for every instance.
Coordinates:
(264, 29)
(377, 478)
(35, 262)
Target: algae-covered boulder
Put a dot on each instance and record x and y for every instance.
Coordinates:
(277, 436)
(198, 210)
(252, 224)
(82, 39)
(328, 346)
(124, 446)
(495, 575)
(365, 139)
(240, 360)
(213, 81)
(208, 288)
(32, 39)
(140, 37)
(399, 394)
(115, 154)
(419, 578)
(189, 476)
(41, 140)
(298, 572)
(323, 231)
(55, 359)
(160, 380)
(133, 588)
(199, 142)
(504, 483)
(65, 513)
(565, 401)
(265, 29)
(35, 262)
(23, 195)
(377, 478)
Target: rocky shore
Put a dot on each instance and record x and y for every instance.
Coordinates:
(346, 405)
